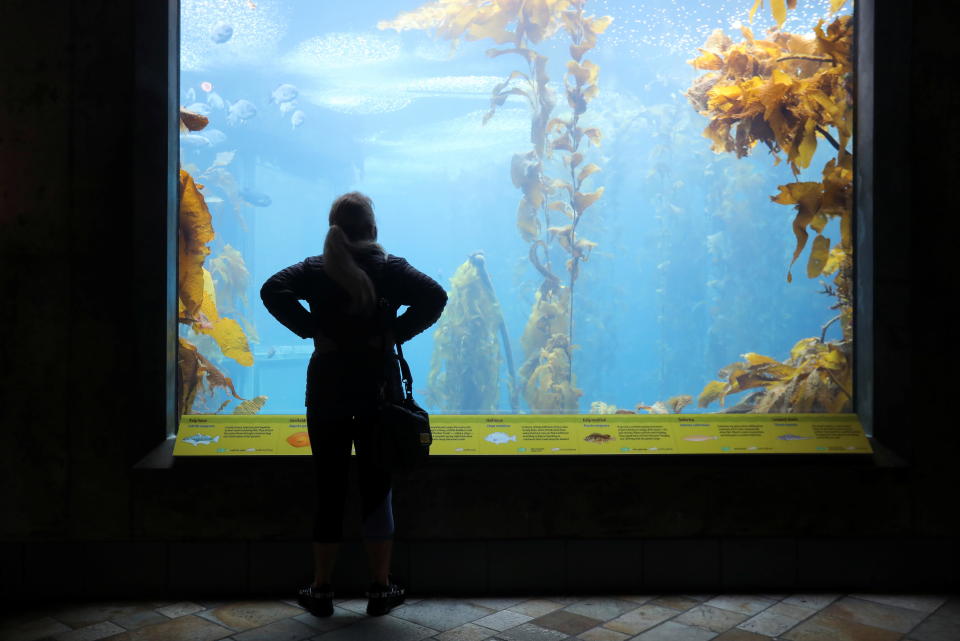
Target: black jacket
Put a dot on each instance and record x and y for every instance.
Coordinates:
(345, 381)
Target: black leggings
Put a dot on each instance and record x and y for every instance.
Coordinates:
(330, 442)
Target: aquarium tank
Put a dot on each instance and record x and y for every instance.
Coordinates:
(635, 207)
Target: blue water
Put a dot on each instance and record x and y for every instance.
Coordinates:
(690, 266)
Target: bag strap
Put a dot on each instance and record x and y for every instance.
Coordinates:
(406, 377)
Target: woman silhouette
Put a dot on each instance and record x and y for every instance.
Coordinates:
(346, 372)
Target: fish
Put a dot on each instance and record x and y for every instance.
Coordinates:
(458, 449)
(221, 32)
(201, 439)
(206, 86)
(284, 93)
(215, 101)
(652, 448)
(297, 119)
(700, 437)
(194, 141)
(499, 438)
(287, 107)
(255, 198)
(793, 437)
(240, 111)
(597, 437)
(201, 108)
(213, 200)
(215, 136)
(271, 352)
(191, 95)
(554, 449)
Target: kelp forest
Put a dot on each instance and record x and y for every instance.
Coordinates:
(634, 207)
(784, 93)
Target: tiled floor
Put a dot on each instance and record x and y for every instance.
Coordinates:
(668, 617)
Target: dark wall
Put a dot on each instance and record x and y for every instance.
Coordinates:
(80, 343)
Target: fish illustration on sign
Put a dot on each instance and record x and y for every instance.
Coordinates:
(597, 437)
(499, 438)
(793, 437)
(297, 118)
(700, 437)
(201, 439)
(300, 439)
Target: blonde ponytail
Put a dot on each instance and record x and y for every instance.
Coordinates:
(352, 232)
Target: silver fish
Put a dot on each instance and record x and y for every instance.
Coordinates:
(793, 437)
(241, 111)
(284, 93)
(499, 438)
(200, 108)
(215, 101)
(297, 118)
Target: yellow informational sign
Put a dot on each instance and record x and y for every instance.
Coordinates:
(552, 434)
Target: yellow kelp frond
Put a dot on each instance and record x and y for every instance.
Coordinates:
(822, 381)
(198, 378)
(715, 390)
(480, 19)
(225, 331)
(194, 231)
(465, 366)
(252, 406)
(549, 387)
(231, 279)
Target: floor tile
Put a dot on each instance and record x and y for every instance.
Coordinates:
(441, 614)
(815, 601)
(340, 618)
(601, 633)
(937, 628)
(743, 603)
(180, 609)
(135, 620)
(186, 627)
(643, 618)
(385, 628)
(601, 608)
(878, 615)
(537, 607)
(31, 630)
(244, 615)
(637, 598)
(716, 620)
(673, 631)
(467, 632)
(531, 632)
(675, 602)
(91, 632)
(502, 620)
(496, 603)
(83, 615)
(737, 634)
(769, 623)
(826, 628)
(355, 605)
(283, 630)
(569, 623)
(925, 603)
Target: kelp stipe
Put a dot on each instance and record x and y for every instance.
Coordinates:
(546, 374)
(785, 92)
